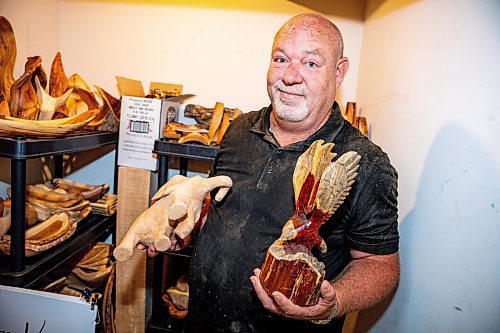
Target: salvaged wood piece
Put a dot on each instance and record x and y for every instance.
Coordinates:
(320, 187)
(179, 293)
(173, 310)
(350, 112)
(4, 107)
(11, 126)
(362, 125)
(43, 235)
(48, 104)
(30, 213)
(110, 101)
(176, 298)
(215, 122)
(75, 81)
(108, 116)
(351, 115)
(175, 209)
(58, 84)
(23, 96)
(131, 289)
(88, 98)
(195, 137)
(203, 115)
(106, 205)
(78, 101)
(44, 201)
(8, 53)
(60, 198)
(226, 119)
(5, 220)
(89, 192)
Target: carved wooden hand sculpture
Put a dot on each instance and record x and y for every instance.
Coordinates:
(176, 207)
(320, 188)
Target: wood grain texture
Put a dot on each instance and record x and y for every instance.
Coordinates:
(320, 186)
(133, 193)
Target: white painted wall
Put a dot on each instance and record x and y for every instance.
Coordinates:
(429, 84)
(217, 50)
(219, 54)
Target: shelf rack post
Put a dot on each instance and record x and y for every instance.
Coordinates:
(18, 214)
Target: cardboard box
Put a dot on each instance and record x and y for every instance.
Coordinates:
(143, 120)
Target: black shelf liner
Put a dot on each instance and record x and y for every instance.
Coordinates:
(24, 148)
(185, 150)
(90, 230)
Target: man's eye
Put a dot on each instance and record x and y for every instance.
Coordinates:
(280, 60)
(311, 64)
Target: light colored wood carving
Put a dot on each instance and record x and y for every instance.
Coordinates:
(215, 122)
(8, 52)
(176, 207)
(58, 83)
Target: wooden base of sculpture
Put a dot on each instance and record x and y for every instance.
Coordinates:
(297, 276)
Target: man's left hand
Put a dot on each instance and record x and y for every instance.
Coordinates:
(280, 304)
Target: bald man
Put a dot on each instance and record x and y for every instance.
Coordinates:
(259, 153)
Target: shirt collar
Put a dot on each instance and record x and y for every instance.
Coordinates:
(327, 132)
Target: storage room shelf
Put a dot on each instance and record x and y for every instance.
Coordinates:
(25, 148)
(16, 269)
(90, 230)
(185, 150)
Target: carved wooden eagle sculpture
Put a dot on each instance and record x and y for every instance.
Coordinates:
(320, 187)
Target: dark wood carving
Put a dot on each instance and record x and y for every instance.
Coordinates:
(320, 187)
(203, 115)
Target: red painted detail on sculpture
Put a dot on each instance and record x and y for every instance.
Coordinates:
(289, 266)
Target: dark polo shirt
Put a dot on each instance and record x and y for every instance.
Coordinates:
(239, 230)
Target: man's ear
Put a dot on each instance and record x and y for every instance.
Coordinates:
(340, 70)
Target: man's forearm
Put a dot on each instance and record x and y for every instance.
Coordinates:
(366, 281)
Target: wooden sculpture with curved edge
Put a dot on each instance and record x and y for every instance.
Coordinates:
(175, 209)
(320, 187)
(8, 52)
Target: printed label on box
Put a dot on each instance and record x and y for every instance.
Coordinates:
(142, 122)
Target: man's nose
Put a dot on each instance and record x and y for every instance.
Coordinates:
(292, 74)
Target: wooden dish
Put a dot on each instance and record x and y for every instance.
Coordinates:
(44, 235)
(45, 128)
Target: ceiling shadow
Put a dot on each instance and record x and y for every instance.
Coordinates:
(379, 8)
(354, 9)
(245, 5)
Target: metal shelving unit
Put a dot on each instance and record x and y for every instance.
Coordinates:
(17, 270)
(160, 321)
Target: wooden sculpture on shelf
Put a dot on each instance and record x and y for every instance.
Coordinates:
(44, 235)
(23, 96)
(204, 115)
(8, 52)
(350, 114)
(219, 119)
(176, 208)
(320, 187)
